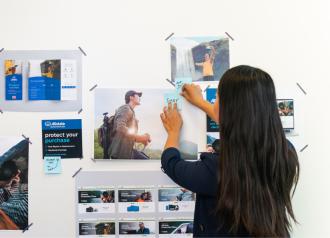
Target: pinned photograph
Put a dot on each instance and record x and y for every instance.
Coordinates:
(200, 58)
(128, 125)
(286, 111)
(14, 165)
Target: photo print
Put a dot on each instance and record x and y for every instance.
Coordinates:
(175, 199)
(135, 200)
(199, 58)
(96, 200)
(175, 228)
(137, 228)
(14, 165)
(128, 125)
(286, 111)
(97, 228)
(14, 80)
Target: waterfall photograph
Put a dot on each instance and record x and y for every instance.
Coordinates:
(199, 58)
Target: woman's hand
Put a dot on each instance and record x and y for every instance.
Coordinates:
(193, 94)
(171, 119)
(172, 122)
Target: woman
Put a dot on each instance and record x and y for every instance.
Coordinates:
(245, 189)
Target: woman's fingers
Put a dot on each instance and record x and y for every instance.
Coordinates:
(165, 110)
(184, 87)
(175, 107)
(184, 94)
(168, 111)
(164, 121)
(162, 116)
(169, 106)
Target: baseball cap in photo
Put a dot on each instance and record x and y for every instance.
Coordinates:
(130, 94)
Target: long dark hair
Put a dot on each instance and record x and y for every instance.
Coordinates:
(258, 168)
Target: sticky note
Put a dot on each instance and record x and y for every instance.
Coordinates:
(52, 165)
(179, 82)
(173, 97)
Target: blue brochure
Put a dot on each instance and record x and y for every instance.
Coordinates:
(14, 87)
(13, 79)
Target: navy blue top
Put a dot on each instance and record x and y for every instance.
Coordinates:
(201, 178)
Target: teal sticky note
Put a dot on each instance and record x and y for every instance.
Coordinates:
(52, 165)
(173, 97)
(179, 82)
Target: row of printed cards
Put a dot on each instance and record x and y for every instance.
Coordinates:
(135, 200)
(167, 227)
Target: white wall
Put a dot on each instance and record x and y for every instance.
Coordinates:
(124, 41)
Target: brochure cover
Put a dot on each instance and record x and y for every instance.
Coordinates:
(52, 80)
(14, 165)
(14, 83)
(62, 138)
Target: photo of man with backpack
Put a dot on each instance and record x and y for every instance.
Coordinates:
(119, 133)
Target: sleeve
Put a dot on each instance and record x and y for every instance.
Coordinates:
(194, 176)
(122, 118)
